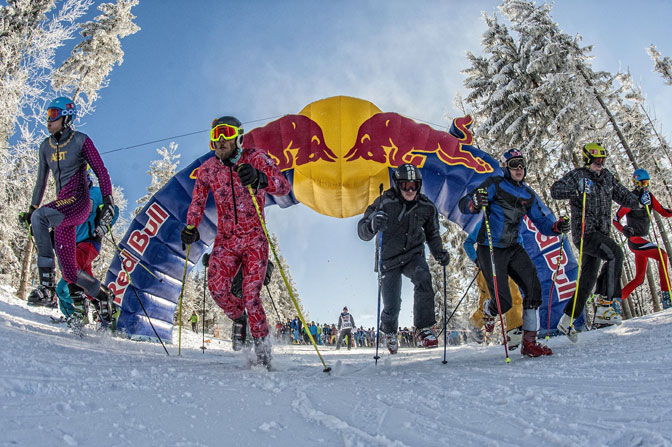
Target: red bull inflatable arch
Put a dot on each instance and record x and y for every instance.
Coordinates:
(335, 153)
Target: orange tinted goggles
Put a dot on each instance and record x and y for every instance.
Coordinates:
(53, 114)
(225, 131)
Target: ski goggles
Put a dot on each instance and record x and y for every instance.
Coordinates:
(409, 185)
(226, 131)
(516, 163)
(53, 114)
(642, 183)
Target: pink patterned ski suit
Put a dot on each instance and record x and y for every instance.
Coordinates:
(240, 236)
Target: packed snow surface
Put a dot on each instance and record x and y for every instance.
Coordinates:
(612, 388)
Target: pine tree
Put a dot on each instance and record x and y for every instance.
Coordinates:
(160, 171)
(662, 65)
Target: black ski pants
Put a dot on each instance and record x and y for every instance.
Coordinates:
(511, 262)
(596, 248)
(423, 295)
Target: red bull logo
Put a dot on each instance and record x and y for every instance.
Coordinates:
(340, 150)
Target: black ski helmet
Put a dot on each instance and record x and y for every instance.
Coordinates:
(231, 121)
(507, 156)
(407, 172)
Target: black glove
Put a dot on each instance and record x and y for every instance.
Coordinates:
(104, 217)
(24, 218)
(206, 260)
(561, 225)
(443, 257)
(379, 221)
(248, 174)
(189, 235)
(480, 198)
(628, 231)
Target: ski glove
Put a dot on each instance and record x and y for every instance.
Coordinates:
(105, 216)
(189, 235)
(443, 257)
(480, 198)
(24, 218)
(251, 176)
(628, 231)
(206, 260)
(645, 198)
(561, 225)
(585, 185)
(379, 221)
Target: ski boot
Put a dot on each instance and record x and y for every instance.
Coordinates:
(530, 346)
(514, 337)
(605, 313)
(45, 293)
(426, 338)
(104, 307)
(488, 320)
(262, 348)
(565, 328)
(239, 332)
(76, 320)
(617, 306)
(392, 342)
(665, 299)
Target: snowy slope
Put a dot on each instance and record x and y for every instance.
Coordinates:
(612, 388)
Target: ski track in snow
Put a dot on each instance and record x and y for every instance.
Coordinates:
(612, 388)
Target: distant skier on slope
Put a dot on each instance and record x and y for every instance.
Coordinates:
(637, 231)
(66, 153)
(346, 323)
(407, 219)
(507, 200)
(600, 188)
(240, 239)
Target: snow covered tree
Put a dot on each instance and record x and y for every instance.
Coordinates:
(160, 171)
(86, 70)
(662, 65)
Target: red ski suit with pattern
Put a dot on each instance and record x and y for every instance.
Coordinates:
(240, 237)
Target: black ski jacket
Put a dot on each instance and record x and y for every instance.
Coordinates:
(409, 225)
(598, 203)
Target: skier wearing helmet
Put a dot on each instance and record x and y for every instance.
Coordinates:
(599, 187)
(507, 200)
(637, 231)
(240, 239)
(407, 219)
(65, 153)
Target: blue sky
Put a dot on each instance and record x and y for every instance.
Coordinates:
(193, 61)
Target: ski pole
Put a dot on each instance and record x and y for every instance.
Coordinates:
(130, 282)
(184, 279)
(494, 279)
(273, 303)
(445, 321)
(379, 270)
(555, 276)
(205, 276)
(578, 275)
(463, 297)
(282, 272)
(663, 264)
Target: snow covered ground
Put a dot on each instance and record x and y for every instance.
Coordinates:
(612, 388)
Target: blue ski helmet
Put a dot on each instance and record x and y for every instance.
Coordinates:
(640, 174)
(62, 107)
(513, 156)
